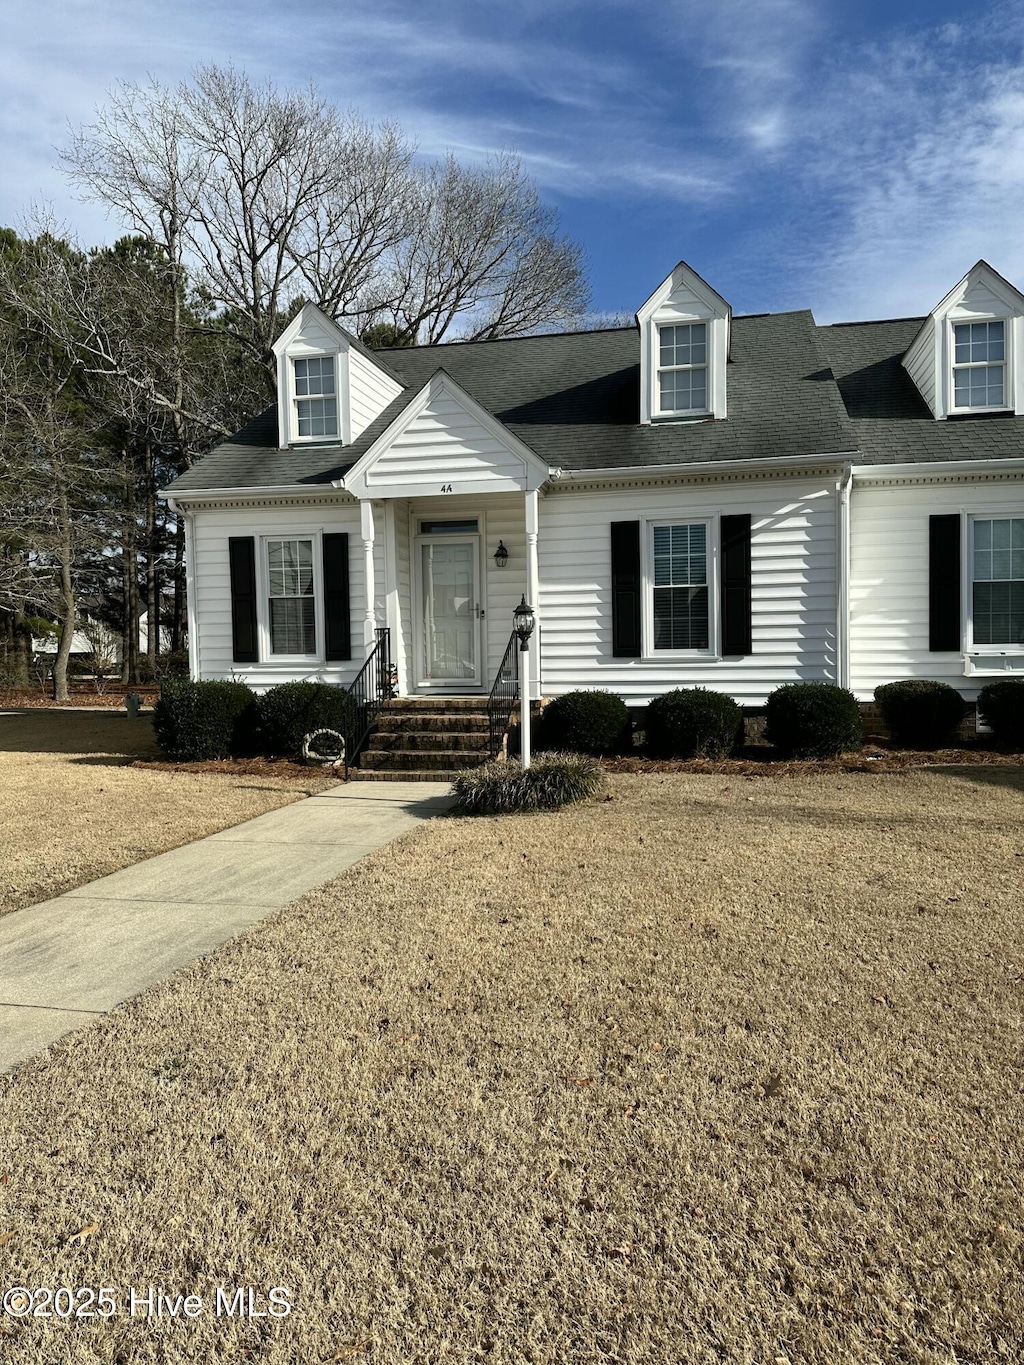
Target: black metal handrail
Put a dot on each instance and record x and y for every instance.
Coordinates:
(504, 695)
(373, 686)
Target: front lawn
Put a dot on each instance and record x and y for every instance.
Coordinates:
(72, 808)
(721, 1069)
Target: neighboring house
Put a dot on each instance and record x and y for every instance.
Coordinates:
(699, 500)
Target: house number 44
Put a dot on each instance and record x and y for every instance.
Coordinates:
(446, 488)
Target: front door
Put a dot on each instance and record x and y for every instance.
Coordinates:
(448, 616)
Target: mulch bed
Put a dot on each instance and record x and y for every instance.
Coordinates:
(242, 767)
(762, 761)
(81, 694)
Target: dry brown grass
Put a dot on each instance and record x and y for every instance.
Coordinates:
(73, 809)
(714, 1071)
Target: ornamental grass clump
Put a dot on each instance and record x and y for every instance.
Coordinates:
(588, 721)
(1001, 706)
(919, 713)
(291, 711)
(813, 720)
(505, 788)
(693, 722)
(195, 722)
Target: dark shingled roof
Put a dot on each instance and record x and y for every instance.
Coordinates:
(890, 419)
(793, 389)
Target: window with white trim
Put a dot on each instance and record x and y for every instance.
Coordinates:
(316, 403)
(291, 597)
(997, 607)
(679, 585)
(683, 367)
(979, 365)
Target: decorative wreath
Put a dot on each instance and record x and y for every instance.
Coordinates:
(326, 747)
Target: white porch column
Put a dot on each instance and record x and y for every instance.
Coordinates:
(533, 587)
(366, 526)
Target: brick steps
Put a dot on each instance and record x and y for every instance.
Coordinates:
(428, 739)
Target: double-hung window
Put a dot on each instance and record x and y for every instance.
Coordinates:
(680, 588)
(291, 597)
(683, 367)
(316, 403)
(979, 365)
(998, 581)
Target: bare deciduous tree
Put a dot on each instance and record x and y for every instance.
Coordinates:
(268, 198)
(483, 256)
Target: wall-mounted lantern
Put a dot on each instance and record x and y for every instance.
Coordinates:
(501, 555)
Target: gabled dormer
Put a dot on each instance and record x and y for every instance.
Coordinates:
(684, 350)
(329, 386)
(967, 358)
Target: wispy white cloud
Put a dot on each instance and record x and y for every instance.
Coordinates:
(918, 156)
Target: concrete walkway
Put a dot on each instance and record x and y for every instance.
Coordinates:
(65, 961)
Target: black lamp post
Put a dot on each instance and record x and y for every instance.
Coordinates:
(524, 619)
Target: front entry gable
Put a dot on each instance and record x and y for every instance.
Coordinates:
(444, 441)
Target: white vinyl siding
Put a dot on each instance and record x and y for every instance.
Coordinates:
(211, 581)
(889, 573)
(793, 554)
(370, 391)
(444, 446)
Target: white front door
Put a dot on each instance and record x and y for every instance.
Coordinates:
(448, 612)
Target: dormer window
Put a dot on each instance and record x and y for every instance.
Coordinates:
(979, 365)
(683, 367)
(684, 350)
(967, 357)
(329, 386)
(316, 403)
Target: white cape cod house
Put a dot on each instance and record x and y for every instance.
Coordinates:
(701, 499)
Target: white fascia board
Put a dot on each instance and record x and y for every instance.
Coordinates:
(765, 466)
(441, 382)
(295, 490)
(936, 468)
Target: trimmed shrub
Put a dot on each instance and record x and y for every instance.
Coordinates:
(693, 722)
(196, 721)
(1001, 705)
(813, 720)
(290, 711)
(585, 722)
(503, 788)
(918, 713)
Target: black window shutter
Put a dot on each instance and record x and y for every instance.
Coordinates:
(626, 589)
(736, 616)
(244, 642)
(337, 611)
(944, 630)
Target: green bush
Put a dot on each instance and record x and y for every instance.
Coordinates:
(585, 722)
(813, 720)
(195, 721)
(918, 713)
(692, 722)
(503, 788)
(289, 712)
(1001, 705)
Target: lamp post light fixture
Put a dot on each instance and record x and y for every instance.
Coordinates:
(524, 619)
(501, 555)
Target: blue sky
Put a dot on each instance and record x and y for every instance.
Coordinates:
(855, 159)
